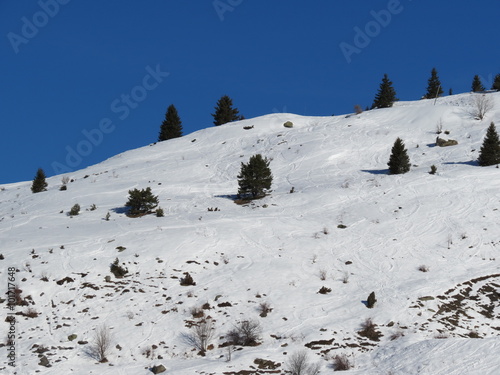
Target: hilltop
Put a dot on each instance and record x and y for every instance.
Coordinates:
(427, 245)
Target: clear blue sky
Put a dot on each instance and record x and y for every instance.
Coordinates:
(66, 64)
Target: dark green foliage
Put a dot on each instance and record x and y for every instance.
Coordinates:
(39, 183)
(496, 83)
(370, 302)
(399, 162)
(141, 202)
(386, 95)
(224, 111)
(75, 210)
(171, 127)
(433, 169)
(187, 280)
(159, 212)
(477, 86)
(324, 290)
(490, 150)
(433, 86)
(255, 177)
(118, 270)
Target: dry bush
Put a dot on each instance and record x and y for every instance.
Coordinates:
(187, 280)
(369, 330)
(200, 336)
(99, 349)
(245, 333)
(30, 313)
(341, 363)
(423, 268)
(322, 274)
(324, 290)
(196, 312)
(264, 309)
(298, 364)
(482, 105)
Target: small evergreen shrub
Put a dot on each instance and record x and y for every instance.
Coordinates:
(399, 162)
(75, 210)
(187, 280)
(433, 169)
(324, 290)
(490, 149)
(159, 212)
(370, 302)
(141, 202)
(255, 177)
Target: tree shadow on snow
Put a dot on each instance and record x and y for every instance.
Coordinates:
(120, 210)
(473, 163)
(231, 197)
(376, 171)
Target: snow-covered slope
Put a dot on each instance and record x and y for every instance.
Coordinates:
(280, 250)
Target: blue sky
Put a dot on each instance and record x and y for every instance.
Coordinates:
(85, 80)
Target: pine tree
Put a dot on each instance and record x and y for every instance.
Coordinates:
(171, 127)
(255, 177)
(399, 162)
(477, 86)
(224, 111)
(496, 83)
(490, 150)
(141, 202)
(386, 95)
(433, 86)
(39, 183)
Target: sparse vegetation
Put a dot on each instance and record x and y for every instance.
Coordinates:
(369, 330)
(99, 349)
(370, 302)
(187, 280)
(200, 336)
(324, 290)
(118, 270)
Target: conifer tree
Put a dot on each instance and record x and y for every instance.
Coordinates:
(496, 83)
(255, 177)
(433, 86)
(224, 111)
(141, 202)
(39, 183)
(477, 86)
(386, 95)
(171, 127)
(490, 150)
(399, 162)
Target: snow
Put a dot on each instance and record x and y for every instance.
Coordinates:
(272, 250)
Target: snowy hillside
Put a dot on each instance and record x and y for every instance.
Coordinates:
(347, 226)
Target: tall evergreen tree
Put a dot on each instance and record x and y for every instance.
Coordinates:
(39, 183)
(386, 95)
(490, 150)
(171, 127)
(399, 162)
(224, 111)
(434, 88)
(255, 177)
(477, 86)
(496, 83)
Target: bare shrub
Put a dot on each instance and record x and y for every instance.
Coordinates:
(341, 362)
(482, 104)
(439, 126)
(358, 109)
(322, 274)
(298, 364)
(196, 312)
(200, 336)
(245, 333)
(30, 313)
(99, 349)
(423, 268)
(345, 277)
(264, 308)
(369, 330)
(396, 335)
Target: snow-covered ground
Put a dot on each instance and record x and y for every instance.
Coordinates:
(280, 250)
